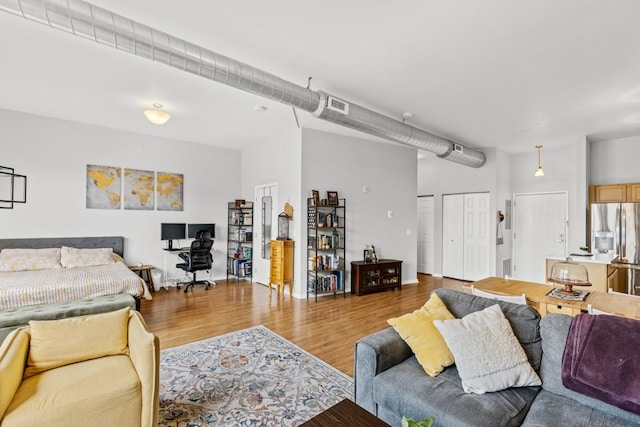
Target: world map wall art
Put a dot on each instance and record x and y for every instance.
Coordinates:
(109, 188)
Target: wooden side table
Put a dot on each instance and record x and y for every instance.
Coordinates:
(144, 271)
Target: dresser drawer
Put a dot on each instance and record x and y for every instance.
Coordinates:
(559, 309)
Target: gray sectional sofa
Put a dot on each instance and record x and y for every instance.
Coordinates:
(390, 383)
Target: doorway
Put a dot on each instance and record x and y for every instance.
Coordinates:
(540, 229)
(266, 199)
(425, 234)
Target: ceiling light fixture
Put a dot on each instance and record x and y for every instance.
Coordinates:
(157, 116)
(539, 171)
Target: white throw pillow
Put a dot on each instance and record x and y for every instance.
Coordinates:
(487, 353)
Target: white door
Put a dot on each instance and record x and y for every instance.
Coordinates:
(425, 234)
(477, 237)
(539, 230)
(264, 208)
(453, 235)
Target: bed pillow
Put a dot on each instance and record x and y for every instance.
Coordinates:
(74, 257)
(418, 331)
(29, 259)
(487, 353)
(56, 343)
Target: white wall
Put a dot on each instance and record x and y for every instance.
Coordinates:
(54, 155)
(346, 165)
(615, 161)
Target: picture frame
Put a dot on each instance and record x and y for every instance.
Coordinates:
(315, 196)
(332, 198)
(368, 255)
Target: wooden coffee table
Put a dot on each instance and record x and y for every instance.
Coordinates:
(345, 413)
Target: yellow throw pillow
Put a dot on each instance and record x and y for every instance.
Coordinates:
(426, 342)
(56, 343)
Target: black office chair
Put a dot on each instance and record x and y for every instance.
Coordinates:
(198, 258)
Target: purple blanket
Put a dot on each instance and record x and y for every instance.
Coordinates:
(602, 360)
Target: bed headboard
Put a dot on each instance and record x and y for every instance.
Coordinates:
(114, 242)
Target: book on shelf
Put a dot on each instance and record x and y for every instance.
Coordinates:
(239, 267)
(311, 242)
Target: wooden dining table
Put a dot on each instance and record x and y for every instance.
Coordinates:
(537, 296)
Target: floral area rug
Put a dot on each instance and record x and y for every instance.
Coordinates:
(252, 377)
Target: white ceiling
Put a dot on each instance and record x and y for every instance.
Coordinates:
(493, 73)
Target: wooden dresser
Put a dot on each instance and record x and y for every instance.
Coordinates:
(281, 272)
(367, 277)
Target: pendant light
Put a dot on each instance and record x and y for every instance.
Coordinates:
(157, 116)
(539, 171)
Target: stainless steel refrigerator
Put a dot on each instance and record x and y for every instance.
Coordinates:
(615, 228)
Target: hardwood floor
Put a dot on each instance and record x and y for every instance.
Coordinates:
(328, 329)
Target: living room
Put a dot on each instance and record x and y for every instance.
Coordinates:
(51, 132)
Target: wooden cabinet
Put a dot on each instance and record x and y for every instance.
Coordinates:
(633, 193)
(281, 272)
(614, 193)
(613, 280)
(367, 277)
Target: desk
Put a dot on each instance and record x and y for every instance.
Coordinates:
(165, 272)
(166, 278)
(536, 293)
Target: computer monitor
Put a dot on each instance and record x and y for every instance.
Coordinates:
(194, 228)
(171, 231)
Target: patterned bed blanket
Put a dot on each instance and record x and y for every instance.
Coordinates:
(22, 288)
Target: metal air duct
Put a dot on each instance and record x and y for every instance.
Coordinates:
(102, 26)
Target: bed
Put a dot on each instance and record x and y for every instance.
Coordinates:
(86, 267)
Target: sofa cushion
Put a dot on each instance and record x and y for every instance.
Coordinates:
(418, 331)
(98, 392)
(488, 355)
(57, 343)
(549, 409)
(524, 319)
(554, 329)
(405, 390)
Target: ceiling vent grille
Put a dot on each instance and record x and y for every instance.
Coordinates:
(338, 105)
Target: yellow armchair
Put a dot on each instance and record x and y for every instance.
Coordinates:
(97, 370)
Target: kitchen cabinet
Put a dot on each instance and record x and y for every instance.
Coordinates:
(633, 193)
(615, 193)
(614, 282)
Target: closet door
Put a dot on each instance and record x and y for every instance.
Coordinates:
(453, 236)
(425, 234)
(477, 238)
